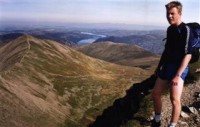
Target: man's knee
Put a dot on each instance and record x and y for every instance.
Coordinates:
(156, 94)
(159, 88)
(175, 101)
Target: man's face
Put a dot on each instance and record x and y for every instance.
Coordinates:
(173, 16)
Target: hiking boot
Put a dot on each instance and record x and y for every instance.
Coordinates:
(155, 124)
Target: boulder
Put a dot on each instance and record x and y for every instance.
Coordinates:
(184, 115)
(193, 110)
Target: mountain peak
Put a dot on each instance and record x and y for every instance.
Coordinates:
(26, 36)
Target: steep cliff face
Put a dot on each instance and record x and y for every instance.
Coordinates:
(45, 84)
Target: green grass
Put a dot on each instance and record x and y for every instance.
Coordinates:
(69, 123)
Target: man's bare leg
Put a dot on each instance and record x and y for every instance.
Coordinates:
(160, 86)
(175, 96)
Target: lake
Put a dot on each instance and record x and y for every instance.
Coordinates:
(90, 40)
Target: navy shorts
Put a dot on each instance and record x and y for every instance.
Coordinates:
(168, 71)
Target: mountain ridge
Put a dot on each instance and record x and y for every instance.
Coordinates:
(151, 42)
(48, 84)
(12, 46)
(120, 53)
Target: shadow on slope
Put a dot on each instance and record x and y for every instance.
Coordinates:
(124, 109)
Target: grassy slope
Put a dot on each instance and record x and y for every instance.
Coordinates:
(46, 84)
(120, 53)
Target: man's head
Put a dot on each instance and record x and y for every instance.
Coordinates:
(174, 12)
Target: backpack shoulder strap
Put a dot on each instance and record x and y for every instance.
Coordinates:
(187, 38)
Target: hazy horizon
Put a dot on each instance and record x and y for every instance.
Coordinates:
(122, 12)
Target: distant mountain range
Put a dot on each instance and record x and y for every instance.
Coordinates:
(77, 26)
(47, 84)
(69, 38)
(5, 38)
(121, 53)
(150, 42)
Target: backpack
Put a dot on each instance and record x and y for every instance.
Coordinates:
(194, 40)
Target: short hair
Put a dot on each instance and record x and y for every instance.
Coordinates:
(173, 4)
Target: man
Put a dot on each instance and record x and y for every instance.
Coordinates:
(173, 66)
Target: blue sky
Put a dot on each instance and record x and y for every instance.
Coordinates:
(149, 12)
